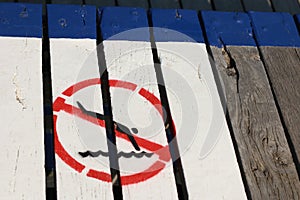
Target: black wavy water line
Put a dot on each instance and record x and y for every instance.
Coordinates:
(120, 154)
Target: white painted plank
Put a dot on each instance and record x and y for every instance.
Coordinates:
(207, 164)
(21, 103)
(74, 63)
(22, 150)
(209, 161)
(131, 61)
(74, 133)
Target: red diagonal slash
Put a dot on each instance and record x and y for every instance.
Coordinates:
(162, 151)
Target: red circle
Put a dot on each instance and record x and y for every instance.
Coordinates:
(162, 151)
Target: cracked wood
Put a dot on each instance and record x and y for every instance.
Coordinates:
(265, 156)
(282, 65)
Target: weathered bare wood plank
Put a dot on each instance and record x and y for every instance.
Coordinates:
(264, 151)
(196, 4)
(257, 5)
(282, 65)
(291, 6)
(269, 169)
(228, 5)
(279, 42)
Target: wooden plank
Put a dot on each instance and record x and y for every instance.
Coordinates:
(207, 153)
(196, 5)
(265, 154)
(72, 34)
(134, 3)
(258, 5)
(228, 5)
(129, 58)
(164, 4)
(256, 125)
(100, 3)
(21, 102)
(291, 6)
(281, 57)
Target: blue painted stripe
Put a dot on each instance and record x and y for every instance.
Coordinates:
(228, 28)
(21, 20)
(71, 21)
(124, 23)
(183, 24)
(275, 29)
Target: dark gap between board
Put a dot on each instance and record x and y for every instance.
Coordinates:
(109, 123)
(178, 171)
(51, 187)
(212, 3)
(286, 132)
(272, 5)
(222, 95)
(297, 22)
(180, 4)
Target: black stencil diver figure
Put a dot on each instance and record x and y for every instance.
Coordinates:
(119, 127)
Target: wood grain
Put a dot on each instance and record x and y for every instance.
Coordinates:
(256, 126)
(257, 5)
(282, 66)
(291, 6)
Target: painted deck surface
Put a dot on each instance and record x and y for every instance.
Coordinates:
(203, 137)
(21, 103)
(131, 61)
(74, 61)
(260, 145)
(254, 118)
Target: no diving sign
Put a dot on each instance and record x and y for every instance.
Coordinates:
(61, 106)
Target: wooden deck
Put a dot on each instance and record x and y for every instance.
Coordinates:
(241, 67)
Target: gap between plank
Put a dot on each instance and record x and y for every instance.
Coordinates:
(169, 128)
(51, 190)
(223, 102)
(109, 124)
(287, 135)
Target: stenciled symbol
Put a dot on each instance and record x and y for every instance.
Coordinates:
(122, 132)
